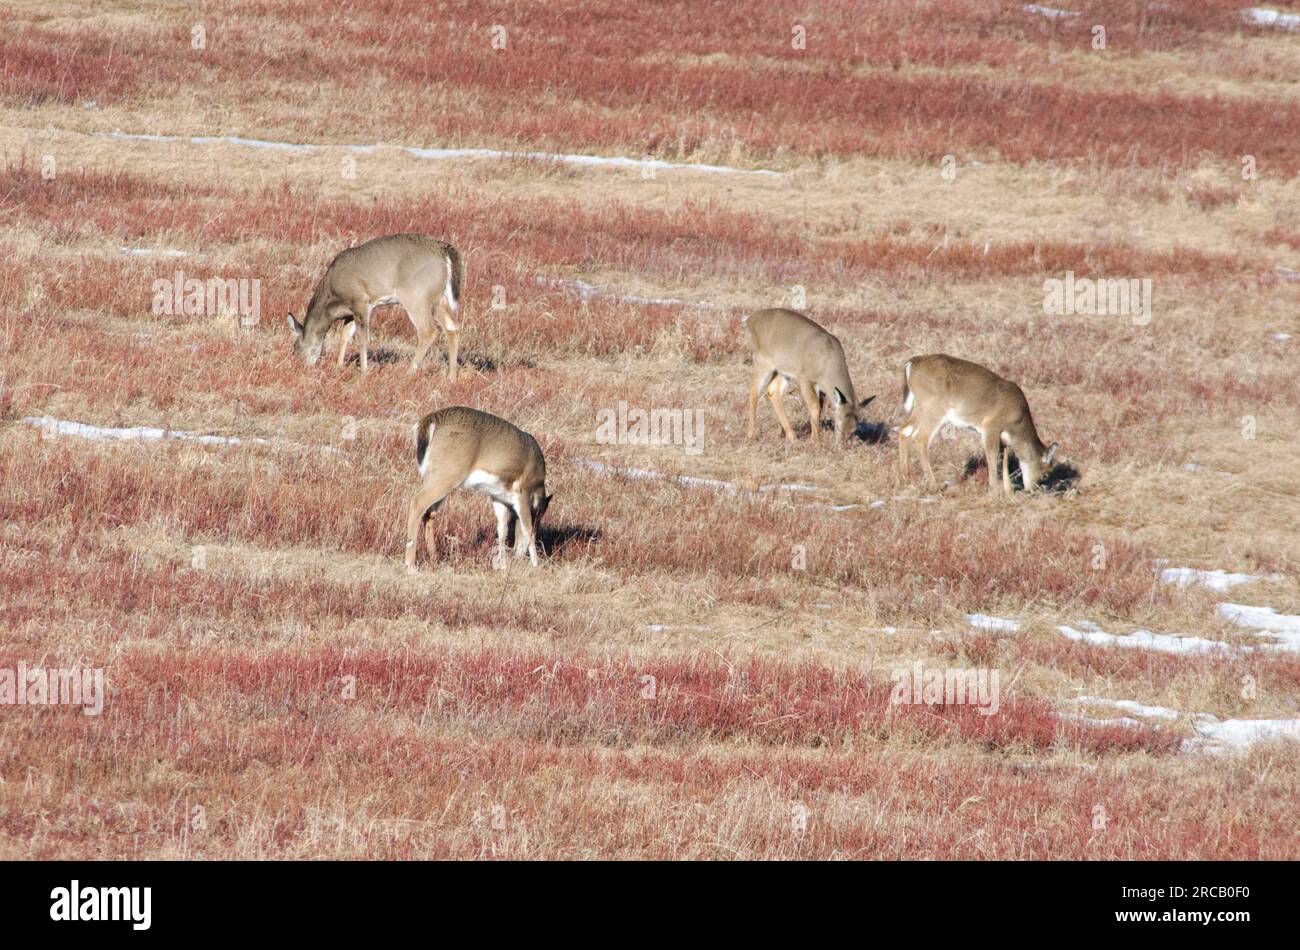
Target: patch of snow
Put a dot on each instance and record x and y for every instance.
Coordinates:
(1239, 734)
(1088, 720)
(588, 291)
(663, 627)
(985, 622)
(450, 153)
(1215, 736)
(1050, 12)
(1279, 337)
(150, 252)
(51, 426)
(1146, 640)
(695, 480)
(1197, 467)
(1131, 706)
(1258, 16)
(1214, 579)
(1282, 627)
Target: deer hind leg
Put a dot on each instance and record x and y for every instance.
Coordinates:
(349, 328)
(426, 500)
(361, 327)
(421, 316)
(452, 329)
(813, 402)
(924, 434)
(757, 383)
(775, 389)
(505, 521)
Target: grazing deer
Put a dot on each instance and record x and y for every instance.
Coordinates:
(940, 389)
(465, 448)
(421, 273)
(788, 347)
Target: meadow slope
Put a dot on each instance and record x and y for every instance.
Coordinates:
(703, 666)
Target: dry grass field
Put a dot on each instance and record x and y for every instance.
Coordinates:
(704, 666)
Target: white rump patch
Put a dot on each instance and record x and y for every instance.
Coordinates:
(424, 462)
(448, 291)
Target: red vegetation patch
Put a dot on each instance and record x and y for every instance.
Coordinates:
(734, 80)
(618, 701)
(39, 65)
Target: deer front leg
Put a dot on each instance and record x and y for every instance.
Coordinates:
(814, 405)
(527, 534)
(349, 328)
(504, 518)
(992, 442)
(1006, 469)
(361, 324)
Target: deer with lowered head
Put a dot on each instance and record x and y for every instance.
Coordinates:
(790, 348)
(465, 448)
(939, 390)
(421, 273)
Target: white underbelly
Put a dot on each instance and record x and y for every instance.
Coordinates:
(488, 484)
(951, 418)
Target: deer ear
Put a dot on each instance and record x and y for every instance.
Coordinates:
(839, 397)
(294, 325)
(865, 401)
(1049, 455)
